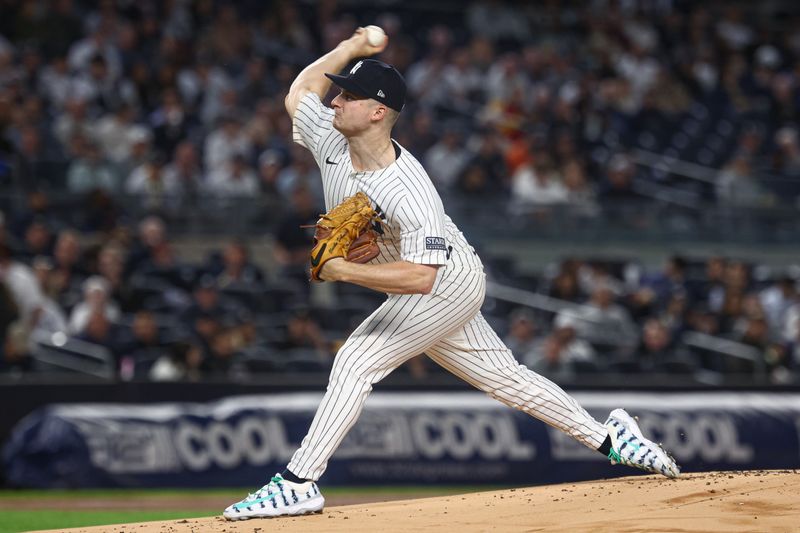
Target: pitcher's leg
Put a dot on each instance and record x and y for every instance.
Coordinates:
(478, 356)
(403, 327)
(361, 361)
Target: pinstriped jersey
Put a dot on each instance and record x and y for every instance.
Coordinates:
(416, 227)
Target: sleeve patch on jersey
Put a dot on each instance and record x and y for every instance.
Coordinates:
(435, 243)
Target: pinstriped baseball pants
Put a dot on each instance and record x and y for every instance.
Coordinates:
(447, 326)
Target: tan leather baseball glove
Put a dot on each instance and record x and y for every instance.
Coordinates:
(345, 231)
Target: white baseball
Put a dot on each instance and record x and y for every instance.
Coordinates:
(375, 35)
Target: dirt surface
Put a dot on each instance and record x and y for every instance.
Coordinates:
(173, 502)
(763, 501)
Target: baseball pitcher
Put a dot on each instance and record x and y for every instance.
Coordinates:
(386, 230)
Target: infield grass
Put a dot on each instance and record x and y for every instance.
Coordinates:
(39, 511)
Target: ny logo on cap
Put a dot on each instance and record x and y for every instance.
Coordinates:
(380, 93)
(355, 67)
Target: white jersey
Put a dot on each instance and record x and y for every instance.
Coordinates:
(416, 227)
(446, 324)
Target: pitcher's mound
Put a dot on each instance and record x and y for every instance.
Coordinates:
(707, 502)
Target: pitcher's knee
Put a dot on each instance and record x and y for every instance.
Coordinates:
(353, 373)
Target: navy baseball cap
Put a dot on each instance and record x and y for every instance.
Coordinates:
(374, 79)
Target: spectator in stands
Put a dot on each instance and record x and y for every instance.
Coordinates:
(204, 326)
(777, 299)
(201, 86)
(55, 82)
(256, 82)
(73, 124)
(143, 344)
(89, 171)
(270, 163)
(9, 311)
(420, 134)
(206, 301)
(657, 346)
(96, 299)
(538, 183)
(488, 157)
(596, 274)
(497, 21)
(787, 160)
(6, 237)
(660, 287)
(424, 77)
(728, 300)
(522, 335)
(603, 320)
(101, 331)
(446, 159)
(579, 194)
(673, 315)
(98, 44)
(708, 289)
(171, 123)
(753, 330)
(462, 82)
(238, 270)
(38, 206)
(68, 273)
(152, 233)
(474, 181)
(33, 162)
(139, 153)
(302, 171)
(225, 142)
(22, 285)
(303, 333)
(164, 269)
(50, 317)
(38, 240)
(183, 362)
(185, 174)
(111, 266)
(737, 185)
(295, 232)
(234, 180)
(221, 358)
(562, 352)
(116, 132)
(153, 187)
(619, 180)
(564, 285)
(15, 355)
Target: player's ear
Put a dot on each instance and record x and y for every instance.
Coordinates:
(379, 112)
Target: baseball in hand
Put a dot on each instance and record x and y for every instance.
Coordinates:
(375, 35)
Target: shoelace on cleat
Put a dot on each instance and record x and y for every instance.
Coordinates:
(265, 489)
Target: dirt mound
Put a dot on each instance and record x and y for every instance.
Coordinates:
(763, 501)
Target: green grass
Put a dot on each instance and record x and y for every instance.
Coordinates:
(12, 521)
(236, 493)
(82, 494)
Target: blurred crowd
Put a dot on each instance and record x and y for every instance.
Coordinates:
(544, 103)
(177, 106)
(615, 316)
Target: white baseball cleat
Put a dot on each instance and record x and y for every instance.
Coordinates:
(278, 498)
(629, 447)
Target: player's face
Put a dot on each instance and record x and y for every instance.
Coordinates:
(353, 112)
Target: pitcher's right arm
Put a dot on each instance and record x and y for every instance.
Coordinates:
(312, 78)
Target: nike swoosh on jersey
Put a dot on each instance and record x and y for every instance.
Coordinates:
(315, 260)
(328, 160)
